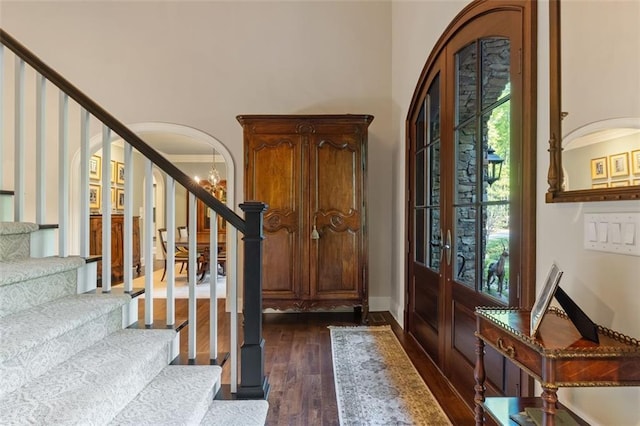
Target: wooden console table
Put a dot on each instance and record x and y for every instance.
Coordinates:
(557, 357)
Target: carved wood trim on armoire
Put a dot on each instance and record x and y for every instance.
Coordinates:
(311, 171)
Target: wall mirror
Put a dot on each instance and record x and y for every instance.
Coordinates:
(594, 140)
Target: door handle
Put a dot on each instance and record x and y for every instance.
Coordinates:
(447, 247)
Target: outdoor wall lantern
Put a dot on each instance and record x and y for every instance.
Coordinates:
(493, 166)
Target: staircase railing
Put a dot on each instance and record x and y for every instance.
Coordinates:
(253, 383)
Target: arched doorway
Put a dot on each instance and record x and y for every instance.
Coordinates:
(471, 188)
(162, 136)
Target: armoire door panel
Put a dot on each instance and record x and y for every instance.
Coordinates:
(281, 260)
(336, 206)
(338, 264)
(337, 174)
(275, 175)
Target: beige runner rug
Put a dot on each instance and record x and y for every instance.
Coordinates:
(376, 383)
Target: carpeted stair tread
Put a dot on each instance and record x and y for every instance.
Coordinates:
(13, 228)
(15, 240)
(93, 386)
(27, 269)
(29, 349)
(179, 395)
(236, 413)
(39, 324)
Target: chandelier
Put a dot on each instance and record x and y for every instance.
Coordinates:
(213, 177)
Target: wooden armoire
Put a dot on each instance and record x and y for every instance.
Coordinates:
(311, 171)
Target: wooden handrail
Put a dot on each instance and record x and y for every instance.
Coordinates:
(123, 131)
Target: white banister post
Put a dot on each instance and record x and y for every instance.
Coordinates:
(232, 283)
(148, 242)
(41, 150)
(193, 273)
(63, 174)
(213, 284)
(1, 116)
(19, 162)
(170, 217)
(84, 183)
(106, 208)
(128, 217)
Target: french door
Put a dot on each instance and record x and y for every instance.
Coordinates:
(470, 191)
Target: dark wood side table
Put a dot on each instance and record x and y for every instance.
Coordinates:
(557, 357)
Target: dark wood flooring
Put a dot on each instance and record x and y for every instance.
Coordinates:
(298, 362)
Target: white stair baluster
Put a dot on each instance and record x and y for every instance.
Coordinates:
(193, 273)
(63, 175)
(232, 273)
(128, 218)
(19, 162)
(2, 120)
(84, 183)
(148, 242)
(105, 208)
(170, 215)
(213, 284)
(41, 150)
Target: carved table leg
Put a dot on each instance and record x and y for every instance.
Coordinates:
(479, 375)
(549, 400)
(204, 265)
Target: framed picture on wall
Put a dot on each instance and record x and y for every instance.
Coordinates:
(120, 173)
(113, 198)
(636, 182)
(619, 164)
(635, 162)
(95, 167)
(94, 197)
(120, 199)
(619, 183)
(600, 185)
(599, 168)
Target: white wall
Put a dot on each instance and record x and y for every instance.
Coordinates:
(604, 285)
(200, 64)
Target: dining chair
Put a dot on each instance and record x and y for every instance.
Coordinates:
(183, 232)
(180, 257)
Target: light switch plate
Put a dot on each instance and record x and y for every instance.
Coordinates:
(612, 232)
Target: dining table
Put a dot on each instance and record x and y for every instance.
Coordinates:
(203, 246)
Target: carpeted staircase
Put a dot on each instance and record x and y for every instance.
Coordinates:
(65, 358)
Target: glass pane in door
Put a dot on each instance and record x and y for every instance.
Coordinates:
(496, 63)
(433, 161)
(466, 83)
(466, 164)
(497, 152)
(464, 262)
(495, 231)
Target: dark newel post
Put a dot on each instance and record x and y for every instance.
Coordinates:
(253, 383)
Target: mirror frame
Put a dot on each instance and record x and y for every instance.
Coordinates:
(555, 193)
